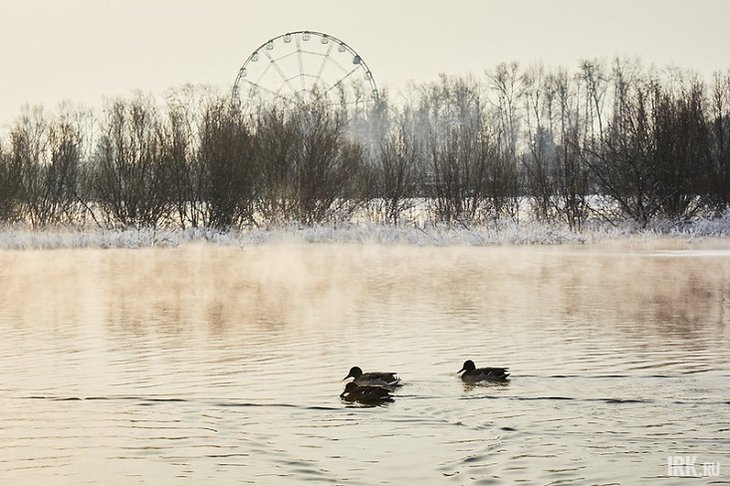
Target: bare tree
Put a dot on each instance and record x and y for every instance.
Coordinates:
(63, 173)
(572, 181)
(463, 166)
(9, 187)
(275, 143)
(539, 160)
(624, 166)
(228, 170)
(28, 139)
(130, 179)
(594, 78)
(717, 180)
(506, 82)
(323, 162)
(682, 147)
(180, 143)
(397, 164)
(47, 154)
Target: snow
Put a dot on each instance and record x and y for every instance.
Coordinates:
(505, 232)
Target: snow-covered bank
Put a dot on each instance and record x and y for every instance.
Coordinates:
(502, 233)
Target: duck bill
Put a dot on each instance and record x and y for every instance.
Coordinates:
(463, 369)
(348, 376)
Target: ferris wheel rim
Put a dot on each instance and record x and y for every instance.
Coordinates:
(360, 62)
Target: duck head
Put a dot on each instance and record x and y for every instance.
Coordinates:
(349, 388)
(468, 366)
(355, 372)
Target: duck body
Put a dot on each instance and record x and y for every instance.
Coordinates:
(472, 374)
(365, 394)
(375, 378)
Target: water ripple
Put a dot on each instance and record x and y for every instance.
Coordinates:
(223, 366)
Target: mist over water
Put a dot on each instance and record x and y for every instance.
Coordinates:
(222, 365)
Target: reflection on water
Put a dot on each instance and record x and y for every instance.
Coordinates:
(222, 365)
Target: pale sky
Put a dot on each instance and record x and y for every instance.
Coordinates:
(85, 50)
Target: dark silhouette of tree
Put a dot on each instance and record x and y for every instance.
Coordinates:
(397, 161)
(621, 143)
(227, 168)
(130, 180)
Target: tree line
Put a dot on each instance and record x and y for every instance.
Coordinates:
(613, 142)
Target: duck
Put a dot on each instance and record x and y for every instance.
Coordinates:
(365, 394)
(374, 378)
(472, 374)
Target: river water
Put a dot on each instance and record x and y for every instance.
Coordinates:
(223, 365)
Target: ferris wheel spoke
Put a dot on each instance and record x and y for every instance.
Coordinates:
(283, 76)
(324, 60)
(340, 81)
(261, 76)
(271, 92)
(339, 66)
(301, 63)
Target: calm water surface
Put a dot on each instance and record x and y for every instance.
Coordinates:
(209, 365)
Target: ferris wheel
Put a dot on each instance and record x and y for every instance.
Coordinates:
(301, 66)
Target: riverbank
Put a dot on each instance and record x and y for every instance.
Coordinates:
(506, 232)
